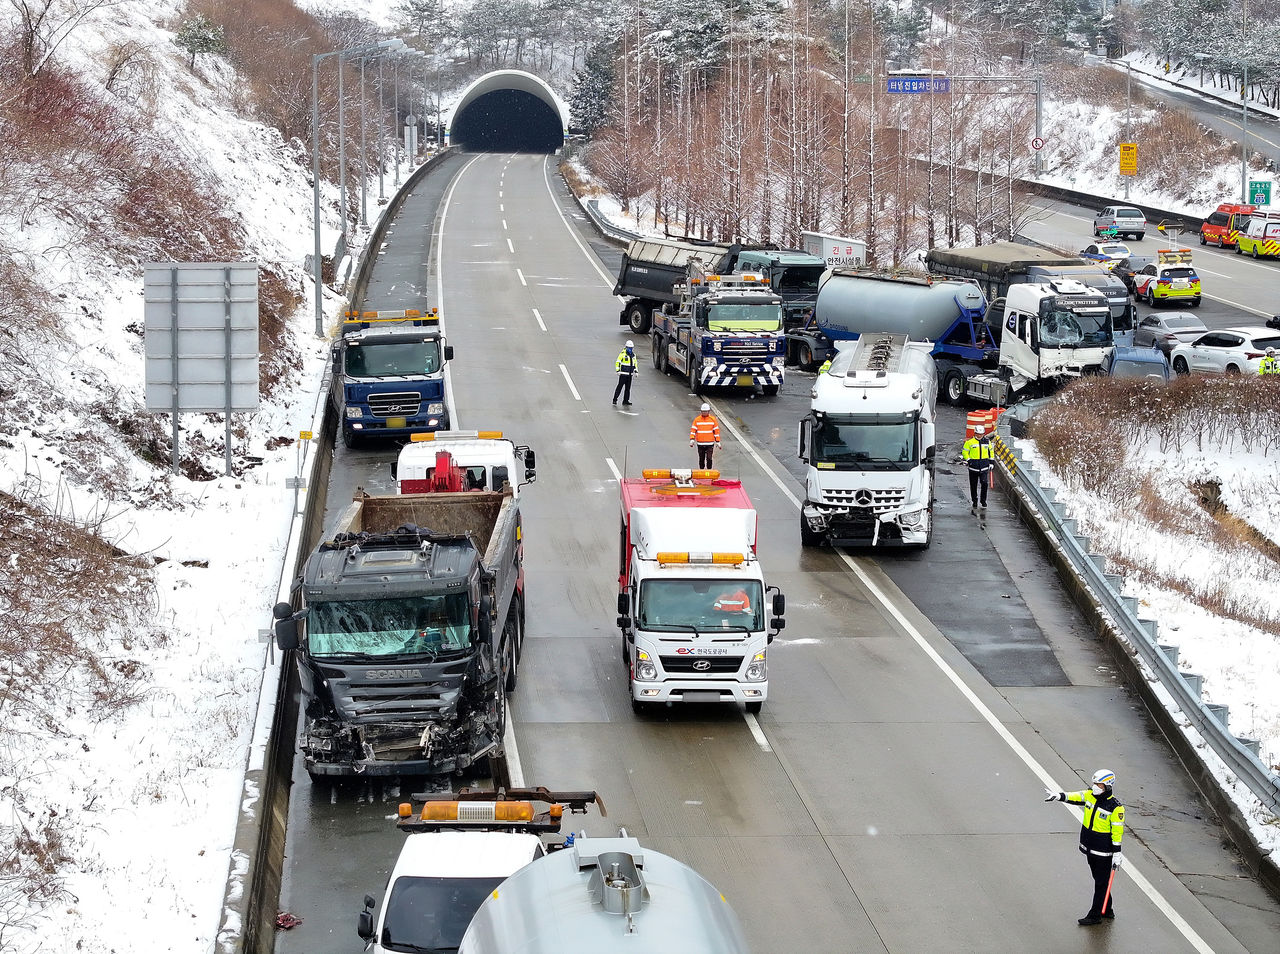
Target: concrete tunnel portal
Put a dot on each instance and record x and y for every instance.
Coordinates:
(509, 111)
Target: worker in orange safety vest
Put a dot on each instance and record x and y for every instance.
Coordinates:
(705, 433)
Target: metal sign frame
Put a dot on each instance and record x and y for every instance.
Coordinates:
(201, 340)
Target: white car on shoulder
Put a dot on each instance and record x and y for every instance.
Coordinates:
(1228, 351)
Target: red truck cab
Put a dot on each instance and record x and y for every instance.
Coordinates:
(1224, 225)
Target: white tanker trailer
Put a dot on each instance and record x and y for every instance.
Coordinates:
(600, 895)
(1058, 328)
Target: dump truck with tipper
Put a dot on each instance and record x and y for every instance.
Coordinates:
(462, 460)
(605, 896)
(387, 374)
(868, 443)
(691, 591)
(726, 332)
(408, 636)
(457, 850)
(652, 268)
(998, 267)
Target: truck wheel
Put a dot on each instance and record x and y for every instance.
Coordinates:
(953, 386)
(638, 318)
(639, 708)
(695, 385)
(805, 358)
(349, 439)
(500, 728)
(770, 390)
(808, 538)
(754, 707)
(626, 655)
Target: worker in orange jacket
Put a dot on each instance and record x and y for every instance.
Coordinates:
(705, 433)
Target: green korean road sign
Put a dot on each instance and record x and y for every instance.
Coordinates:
(1259, 192)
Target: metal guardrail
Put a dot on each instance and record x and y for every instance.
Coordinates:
(1209, 720)
(603, 225)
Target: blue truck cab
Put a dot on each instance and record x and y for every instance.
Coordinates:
(388, 375)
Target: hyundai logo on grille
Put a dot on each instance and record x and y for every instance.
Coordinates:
(702, 665)
(395, 408)
(863, 498)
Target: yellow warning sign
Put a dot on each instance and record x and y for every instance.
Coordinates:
(1128, 158)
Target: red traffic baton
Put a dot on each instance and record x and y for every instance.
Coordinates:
(1107, 897)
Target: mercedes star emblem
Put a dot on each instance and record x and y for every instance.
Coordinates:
(862, 498)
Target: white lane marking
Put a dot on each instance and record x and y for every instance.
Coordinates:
(504, 225)
(539, 318)
(569, 381)
(573, 234)
(520, 275)
(617, 474)
(501, 207)
(1255, 135)
(437, 250)
(1027, 758)
(499, 193)
(515, 771)
(510, 248)
(757, 733)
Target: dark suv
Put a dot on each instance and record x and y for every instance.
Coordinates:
(1126, 268)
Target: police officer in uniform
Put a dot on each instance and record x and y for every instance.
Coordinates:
(1269, 364)
(980, 456)
(626, 368)
(1100, 834)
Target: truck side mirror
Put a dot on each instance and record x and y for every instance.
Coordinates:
(364, 926)
(287, 634)
(928, 439)
(448, 352)
(779, 605)
(530, 464)
(624, 604)
(803, 437)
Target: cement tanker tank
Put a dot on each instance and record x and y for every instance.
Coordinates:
(851, 304)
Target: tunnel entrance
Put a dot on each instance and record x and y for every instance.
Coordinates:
(507, 120)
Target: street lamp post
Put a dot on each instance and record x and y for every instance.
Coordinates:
(364, 170)
(1244, 125)
(395, 100)
(382, 191)
(1128, 116)
(318, 260)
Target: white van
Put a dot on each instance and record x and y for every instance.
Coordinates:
(1262, 237)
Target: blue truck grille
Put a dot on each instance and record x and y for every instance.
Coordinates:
(753, 353)
(402, 404)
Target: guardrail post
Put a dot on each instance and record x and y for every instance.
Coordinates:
(1170, 653)
(1152, 628)
(1194, 681)
(1114, 580)
(1253, 745)
(1219, 712)
(1130, 603)
(1068, 523)
(1098, 560)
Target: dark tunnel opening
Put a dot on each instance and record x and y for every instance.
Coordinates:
(507, 120)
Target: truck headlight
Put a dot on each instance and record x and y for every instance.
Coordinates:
(436, 408)
(646, 671)
(912, 519)
(757, 669)
(780, 361)
(353, 411)
(708, 362)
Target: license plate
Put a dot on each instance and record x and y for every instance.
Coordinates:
(397, 422)
(1181, 286)
(745, 381)
(696, 696)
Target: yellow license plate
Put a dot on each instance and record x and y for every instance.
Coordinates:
(744, 381)
(397, 422)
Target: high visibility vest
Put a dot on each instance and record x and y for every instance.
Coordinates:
(978, 453)
(1269, 365)
(705, 429)
(737, 602)
(1103, 823)
(626, 363)
(826, 366)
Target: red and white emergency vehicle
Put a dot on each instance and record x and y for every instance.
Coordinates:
(691, 601)
(453, 461)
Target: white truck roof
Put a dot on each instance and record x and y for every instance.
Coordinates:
(465, 854)
(721, 530)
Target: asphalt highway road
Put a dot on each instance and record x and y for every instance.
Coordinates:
(888, 797)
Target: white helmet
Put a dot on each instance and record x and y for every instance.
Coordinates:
(1271, 352)
(630, 343)
(980, 429)
(705, 408)
(1104, 777)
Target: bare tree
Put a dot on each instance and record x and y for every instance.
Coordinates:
(43, 26)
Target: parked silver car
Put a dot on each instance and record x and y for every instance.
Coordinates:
(1124, 220)
(1230, 351)
(1164, 331)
